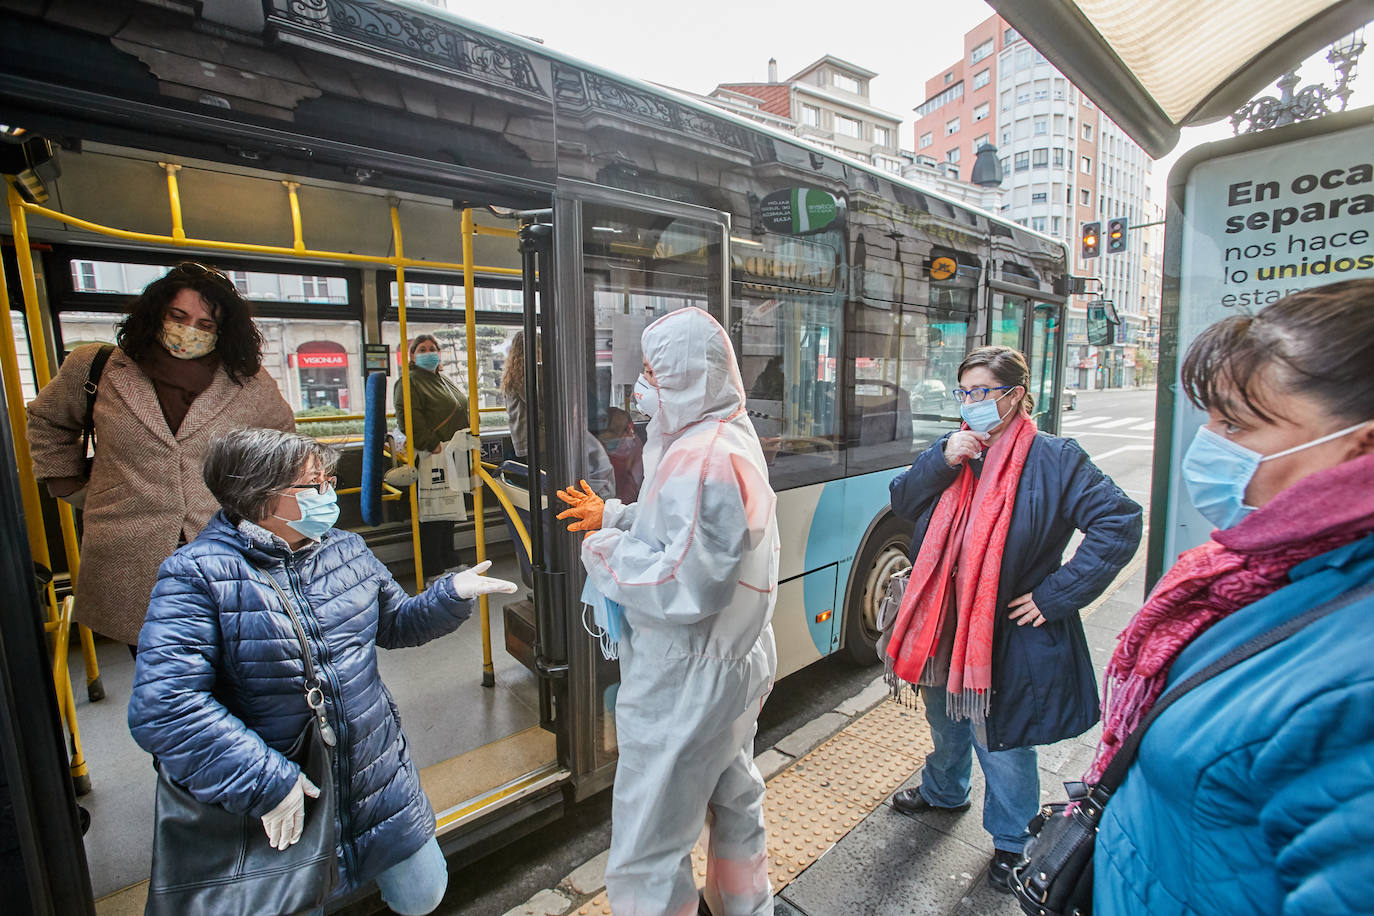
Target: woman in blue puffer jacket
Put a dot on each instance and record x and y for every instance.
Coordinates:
(217, 692)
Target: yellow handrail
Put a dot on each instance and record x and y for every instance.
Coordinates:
(475, 421)
(506, 504)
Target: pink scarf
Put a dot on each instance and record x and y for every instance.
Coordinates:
(924, 614)
(1236, 568)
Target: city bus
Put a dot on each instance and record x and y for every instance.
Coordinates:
(365, 171)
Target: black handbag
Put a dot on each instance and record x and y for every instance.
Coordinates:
(209, 862)
(1055, 877)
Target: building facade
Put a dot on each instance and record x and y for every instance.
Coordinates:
(1066, 164)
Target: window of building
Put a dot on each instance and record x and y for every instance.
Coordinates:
(1022, 161)
(1023, 58)
(927, 138)
(1042, 90)
(1042, 126)
(848, 127)
(1087, 166)
(83, 277)
(882, 136)
(1059, 89)
(951, 171)
(1087, 132)
(1006, 100)
(1086, 197)
(980, 52)
(1023, 96)
(952, 155)
(981, 111)
(980, 141)
(1006, 136)
(846, 82)
(951, 126)
(1038, 223)
(811, 116)
(1040, 197)
(938, 101)
(949, 77)
(1056, 225)
(1009, 36)
(1040, 158)
(1058, 157)
(982, 78)
(1006, 164)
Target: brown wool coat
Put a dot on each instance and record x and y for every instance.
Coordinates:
(146, 492)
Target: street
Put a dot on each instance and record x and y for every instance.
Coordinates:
(1115, 427)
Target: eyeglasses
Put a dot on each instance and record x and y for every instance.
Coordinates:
(977, 394)
(321, 486)
(200, 270)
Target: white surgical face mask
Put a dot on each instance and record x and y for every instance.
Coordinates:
(186, 342)
(646, 396)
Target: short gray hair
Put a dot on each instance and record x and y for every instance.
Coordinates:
(245, 469)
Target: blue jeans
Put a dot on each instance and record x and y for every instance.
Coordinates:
(413, 886)
(1012, 796)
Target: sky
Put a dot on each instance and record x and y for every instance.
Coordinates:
(695, 46)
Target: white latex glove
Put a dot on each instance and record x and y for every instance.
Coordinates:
(285, 822)
(470, 583)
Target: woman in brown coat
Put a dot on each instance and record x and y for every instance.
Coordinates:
(188, 366)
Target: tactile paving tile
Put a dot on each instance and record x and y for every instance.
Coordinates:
(812, 804)
(599, 906)
(895, 727)
(860, 771)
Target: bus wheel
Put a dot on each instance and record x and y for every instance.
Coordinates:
(883, 553)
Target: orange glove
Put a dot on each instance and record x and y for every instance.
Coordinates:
(586, 508)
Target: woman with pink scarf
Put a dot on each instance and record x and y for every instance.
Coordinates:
(1254, 792)
(989, 628)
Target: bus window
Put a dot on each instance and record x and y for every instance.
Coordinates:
(1042, 354)
(1006, 321)
(637, 267)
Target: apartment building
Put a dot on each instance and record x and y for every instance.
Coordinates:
(1065, 164)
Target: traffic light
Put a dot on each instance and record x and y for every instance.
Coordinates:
(1092, 240)
(1116, 235)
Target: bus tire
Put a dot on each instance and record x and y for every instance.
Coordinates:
(883, 553)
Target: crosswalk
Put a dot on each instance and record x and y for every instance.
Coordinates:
(1083, 423)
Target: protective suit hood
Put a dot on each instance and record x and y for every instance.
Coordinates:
(695, 370)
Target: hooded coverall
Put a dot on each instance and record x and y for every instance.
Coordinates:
(694, 562)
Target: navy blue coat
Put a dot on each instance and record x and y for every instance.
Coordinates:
(1044, 688)
(219, 688)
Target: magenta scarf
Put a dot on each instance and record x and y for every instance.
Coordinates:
(1236, 568)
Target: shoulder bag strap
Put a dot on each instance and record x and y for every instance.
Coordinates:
(1121, 763)
(314, 696)
(92, 388)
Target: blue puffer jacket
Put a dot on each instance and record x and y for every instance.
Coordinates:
(1044, 687)
(218, 693)
(1254, 793)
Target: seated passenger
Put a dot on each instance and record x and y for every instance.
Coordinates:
(218, 691)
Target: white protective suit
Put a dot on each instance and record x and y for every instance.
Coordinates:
(695, 564)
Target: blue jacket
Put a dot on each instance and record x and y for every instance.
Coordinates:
(1255, 792)
(1044, 687)
(218, 692)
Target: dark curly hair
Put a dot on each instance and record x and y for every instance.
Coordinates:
(240, 343)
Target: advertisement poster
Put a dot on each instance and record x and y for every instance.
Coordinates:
(1258, 226)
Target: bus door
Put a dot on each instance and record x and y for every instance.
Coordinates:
(1031, 319)
(623, 260)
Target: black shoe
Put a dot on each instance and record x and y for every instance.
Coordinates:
(910, 801)
(999, 872)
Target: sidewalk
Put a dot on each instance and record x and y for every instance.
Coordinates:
(837, 847)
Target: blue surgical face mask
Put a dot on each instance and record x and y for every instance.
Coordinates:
(319, 512)
(982, 416)
(1217, 473)
(646, 396)
(428, 360)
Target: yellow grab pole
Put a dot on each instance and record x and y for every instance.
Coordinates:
(174, 201)
(297, 238)
(38, 345)
(475, 456)
(399, 263)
